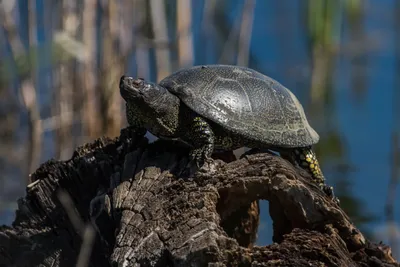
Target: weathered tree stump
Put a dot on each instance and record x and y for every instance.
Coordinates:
(124, 202)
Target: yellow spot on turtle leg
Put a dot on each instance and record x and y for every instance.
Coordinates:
(306, 159)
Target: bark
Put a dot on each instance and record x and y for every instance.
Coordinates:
(145, 211)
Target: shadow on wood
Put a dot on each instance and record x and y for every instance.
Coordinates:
(144, 213)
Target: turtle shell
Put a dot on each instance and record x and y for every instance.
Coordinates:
(245, 102)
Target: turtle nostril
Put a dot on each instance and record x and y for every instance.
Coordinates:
(121, 81)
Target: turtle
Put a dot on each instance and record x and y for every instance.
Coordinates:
(223, 107)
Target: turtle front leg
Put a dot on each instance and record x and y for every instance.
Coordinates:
(201, 137)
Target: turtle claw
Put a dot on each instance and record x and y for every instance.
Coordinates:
(328, 190)
(199, 156)
(199, 160)
(207, 162)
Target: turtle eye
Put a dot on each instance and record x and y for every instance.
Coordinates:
(137, 82)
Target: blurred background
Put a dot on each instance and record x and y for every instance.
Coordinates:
(60, 64)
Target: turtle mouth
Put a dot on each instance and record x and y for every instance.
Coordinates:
(130, 87)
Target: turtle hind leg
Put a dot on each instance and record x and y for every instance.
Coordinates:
(306, 159)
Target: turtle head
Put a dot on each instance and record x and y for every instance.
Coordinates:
(139, 90)
(150, 103)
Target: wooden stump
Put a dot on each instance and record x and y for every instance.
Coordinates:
(125, 202)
